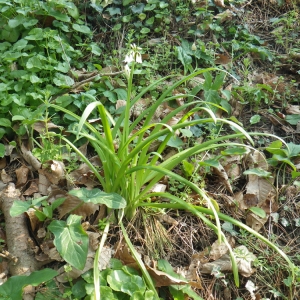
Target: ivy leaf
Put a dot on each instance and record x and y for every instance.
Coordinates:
(63, 80)
(258, 172)
(183, 56)
(122, 281)
(13, 23)
(96, 196)
(254, 119)
(71, 241)
(292, 119)
(19, 207)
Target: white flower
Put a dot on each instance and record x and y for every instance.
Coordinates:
(133, 55)
(127, 70)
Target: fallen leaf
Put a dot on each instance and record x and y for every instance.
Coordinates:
(77, 207)
(54, 170)
(220, 171)
(222, 59)
(22, 176)
(40, 126)
(5, 177)
(3, 163)
(255, 222)
(32, 189)
(293, 110)
(219, 249)
(219, 3)
(244, 259)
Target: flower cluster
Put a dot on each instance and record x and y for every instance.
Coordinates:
(133, 55)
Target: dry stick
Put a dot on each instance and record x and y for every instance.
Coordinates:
(24, 262)
(79, 84)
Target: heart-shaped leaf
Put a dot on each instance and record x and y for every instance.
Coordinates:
(71, 241)
(96, 196)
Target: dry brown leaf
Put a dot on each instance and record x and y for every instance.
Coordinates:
(41, 126)
(219, 3)
(164, 279)
(5, 177)
(270, 205)
(258, 186)
(54, 170)
(293, 110)
(34, 221)
(33, 188)
(83, 175)
(233, 170)
(3, 163)
(70, 204)
(44, 183)
(220, 171)
(224, 16)
(222, 59)
(219, 249)
(22, 176)
(167, 219)
(224, 263)
(255, 222)
(248, 201)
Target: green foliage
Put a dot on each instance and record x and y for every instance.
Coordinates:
(116, 282)
(283, 155)
(37, 57)
(12, 289)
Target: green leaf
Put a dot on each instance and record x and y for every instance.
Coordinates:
(58, 15)
(35, 34)
(293, 149)
(119, 280)
(254, 119)
(258, 211)
(188, 168)
(96, 196)
(122, 94)
(234, 151)
(2, 150)
(19, 207)
(258, 172)
(71, 241)
(184, 57)
(126, 2)
(82, 28)
(73, 10)
(107, 293)
(13, 287)
(145, 30)
(114, 11)
(275, 148)
(210, 163)
(292, 119)
(5, 122)
(16, 21)
(63, 80)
